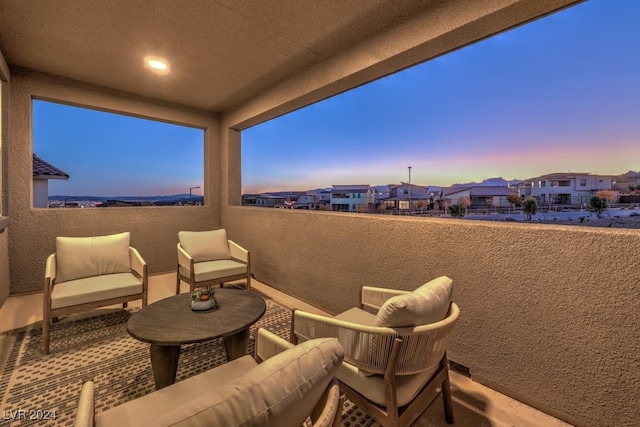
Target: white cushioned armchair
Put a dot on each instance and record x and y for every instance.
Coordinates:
(395, 349)
(208, 258)
(292, 386)
(90, 272)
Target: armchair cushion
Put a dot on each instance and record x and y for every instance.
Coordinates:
(282, 390)
(205, 245)
(211, 270)
(80, 257)
(91, 289)
(373, 388)
(427, 304)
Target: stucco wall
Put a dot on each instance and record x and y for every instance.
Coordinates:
(40, 193)
(4, 261)
(154, 230)
(548, 313)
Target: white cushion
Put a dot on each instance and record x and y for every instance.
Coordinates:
(205, 245)
(427, 304)
(210, 270)
(78, 257)
(97, 288)
(281, 391)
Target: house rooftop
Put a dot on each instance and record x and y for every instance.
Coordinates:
(47, 170)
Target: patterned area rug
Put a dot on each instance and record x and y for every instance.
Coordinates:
(43, 390)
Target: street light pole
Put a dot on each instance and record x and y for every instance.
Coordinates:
(409, 189)
(191, 188)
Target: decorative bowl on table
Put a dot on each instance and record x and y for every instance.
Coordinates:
(203, 299)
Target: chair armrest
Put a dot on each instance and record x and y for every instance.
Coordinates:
(365, 347)
(238, 252)
(137, 263)
(184, 259)
(268, 345)
(50, 269)
(86, 406)
(329, 408)
(373, 298)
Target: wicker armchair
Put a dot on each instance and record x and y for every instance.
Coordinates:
(391, 373)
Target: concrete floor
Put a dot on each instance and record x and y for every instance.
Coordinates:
(474, 404)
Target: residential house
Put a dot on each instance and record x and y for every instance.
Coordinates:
(306, 201)
(270, 200)
(626, 181)
(569, 188)
(400, 195)
(42, 173)
(352, 198)
(535, 321)
(479, 196)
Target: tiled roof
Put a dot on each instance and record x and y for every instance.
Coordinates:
(363, 187)
(42, 168)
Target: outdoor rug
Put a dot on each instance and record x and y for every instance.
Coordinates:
(43, 390)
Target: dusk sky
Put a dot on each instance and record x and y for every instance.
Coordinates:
(559, 94)
(109, 154)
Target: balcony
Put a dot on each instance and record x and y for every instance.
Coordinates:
(474, 403)
(548, 313)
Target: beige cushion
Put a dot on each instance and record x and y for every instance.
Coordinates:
(427, 304)
(97, 288)
(282, 391)
(357, 315)
(144, 409)
(205, 245)
(78, 257)
(372, 386)
(210, 270)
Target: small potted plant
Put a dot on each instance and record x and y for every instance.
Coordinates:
(204, 299)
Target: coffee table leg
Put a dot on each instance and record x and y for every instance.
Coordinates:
(236, 344)
(164, 363)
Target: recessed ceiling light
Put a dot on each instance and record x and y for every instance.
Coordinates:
(156, 64)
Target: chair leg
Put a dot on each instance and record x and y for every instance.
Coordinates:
(177, 283)
(125, 304)
(446, 399)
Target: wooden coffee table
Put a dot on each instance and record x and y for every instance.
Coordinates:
(170, 323)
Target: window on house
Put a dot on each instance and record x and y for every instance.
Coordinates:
(543, 183)
(89, 158)
(583, 182)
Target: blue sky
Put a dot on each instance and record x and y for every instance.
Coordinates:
(561, 93)
(108, 154)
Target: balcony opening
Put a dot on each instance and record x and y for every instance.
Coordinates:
(496, 117)
(87, 158)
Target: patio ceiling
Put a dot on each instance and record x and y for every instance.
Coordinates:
(220, 52)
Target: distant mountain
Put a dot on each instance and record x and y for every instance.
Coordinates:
(195, 197)
(491, 182)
